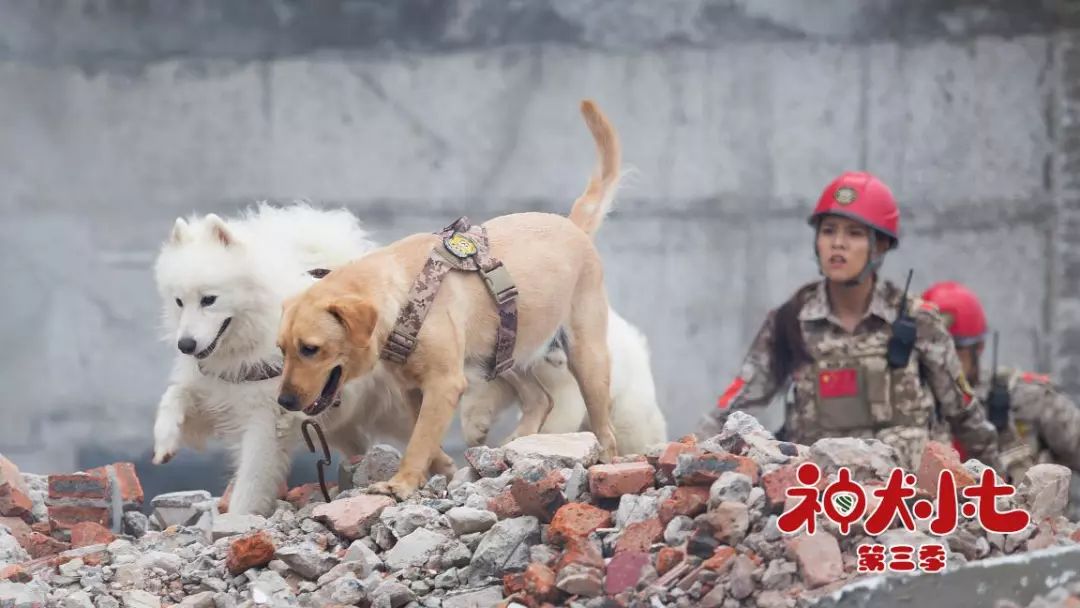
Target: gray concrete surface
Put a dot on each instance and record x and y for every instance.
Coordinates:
(117, 118)
(1020, 578)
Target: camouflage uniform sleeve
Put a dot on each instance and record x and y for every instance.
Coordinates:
(1056, 418)
(956, 401)
(753, 387)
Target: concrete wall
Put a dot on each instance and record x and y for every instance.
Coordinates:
(117, 117)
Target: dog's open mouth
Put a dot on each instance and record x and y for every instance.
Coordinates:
(210, 349)
(329, 395)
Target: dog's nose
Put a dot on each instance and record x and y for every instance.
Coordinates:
(186, 345)
(288, 401)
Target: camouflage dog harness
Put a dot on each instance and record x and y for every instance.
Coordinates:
(464, 247)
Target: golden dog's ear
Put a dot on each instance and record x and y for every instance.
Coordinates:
(357, 315)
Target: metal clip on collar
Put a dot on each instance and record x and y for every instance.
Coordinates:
(325, 462)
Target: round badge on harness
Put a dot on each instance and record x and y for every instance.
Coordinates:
(460, 245)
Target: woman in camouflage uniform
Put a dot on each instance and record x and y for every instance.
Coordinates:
(830, 343)
(1035, 422)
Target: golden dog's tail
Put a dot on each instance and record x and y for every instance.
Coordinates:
(593, 205)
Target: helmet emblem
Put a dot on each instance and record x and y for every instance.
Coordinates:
(845, 195)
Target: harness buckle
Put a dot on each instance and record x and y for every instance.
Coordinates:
(499, 283)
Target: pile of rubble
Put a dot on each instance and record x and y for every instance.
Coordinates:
(535, 523)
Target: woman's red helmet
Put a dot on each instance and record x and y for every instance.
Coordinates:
(962, 311)
(862, 197)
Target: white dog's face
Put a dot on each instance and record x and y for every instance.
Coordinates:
(203, 286)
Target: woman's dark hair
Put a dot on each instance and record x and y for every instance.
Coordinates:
(788, 347)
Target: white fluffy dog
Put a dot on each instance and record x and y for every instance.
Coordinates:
(222, 286)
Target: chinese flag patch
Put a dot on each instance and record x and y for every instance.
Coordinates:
(838, 383)
(730, 393)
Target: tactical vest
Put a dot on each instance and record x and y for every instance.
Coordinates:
(849, 389)
(1019, 443)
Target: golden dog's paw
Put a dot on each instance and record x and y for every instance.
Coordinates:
(400, 487)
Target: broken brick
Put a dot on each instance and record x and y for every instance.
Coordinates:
(614, 480)
(127, 481)
(819, 559)
(539, 583)
(41, 546)
(250, 551)
(301, 496)
(776, 484)
(19, 529)
(504, 505)
(938, 457)
(640, 536)
(352, 517)
(707, 468)
(721, 559)
(580, 552)
(14, 503)
(63, 517)
(624, 571)
(667, 558)
(15, 573)
(690, 501)
(79, 485)
(87, 533)
(669, 459)
(728, 521)
(576, 521)
(540, 498)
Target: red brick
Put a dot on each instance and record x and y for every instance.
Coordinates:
(614, 480)
(687, 500)
(19, 529)
(776, 483)
(539, 583)
(689, 440)
(670, 457)
(668, 558)
(640, 536)
(352, 517)
(581, 552)
(302, 496)
(89, 533)
(9, 473)
(819, 559)
(936, 458)
(504, 505)
(624, 571)
(250, 551)
(63, 517)
(14, 503)
(540, 498)
(514, 583)
(41, 546)
(1075, 536)
(721, 559)
(707, 468)
(79, 485)
(127, 479)
(576, 521)
(15, 573)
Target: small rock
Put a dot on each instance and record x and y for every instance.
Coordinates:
(779, 574)
(1045, 490)
(178, 508)
(307, 559)
(639, 536)
(578, 579)
(170, 563)
(488, 596)
(543, 554)
(270, 588)
(867, 459)
(391, 594)
(347, 591)
(414, 549)
(462, 478)
(353, 517)
(486, 461)
(456, 554)
(107, 601)
(667, 558)
(199, 600)
(464, 520)
(379, 464)
(136, 524)
(728, 521)
(437, 485)
(360, 553)
(562, 450)
(505, 546)
(447, 579)
(577, 483)
(774, 599)
(404, 519)
(139, 599)
(730, 487)
(232, 524)
(678, 530)
(633, 508)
